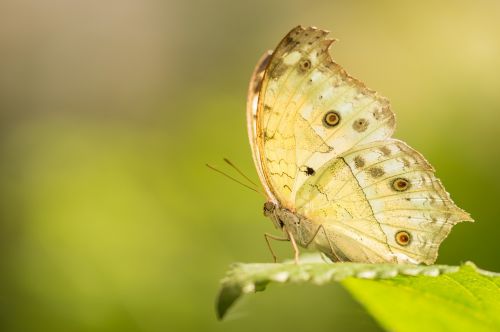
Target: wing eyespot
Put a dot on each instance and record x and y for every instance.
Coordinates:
(305, 64)
(400, 184)
(376, 172)
(385, 151)
(331, 119)
(403, 238)
(359, 162)
(360, 125)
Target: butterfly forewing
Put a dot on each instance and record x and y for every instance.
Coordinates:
(302, 91)
(252, 102)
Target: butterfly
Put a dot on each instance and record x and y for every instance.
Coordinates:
(334, 178)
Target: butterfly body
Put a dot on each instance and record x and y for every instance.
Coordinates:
(305, 232)
(287, 220)
(335, 179)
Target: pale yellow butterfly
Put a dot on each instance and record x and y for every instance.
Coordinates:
(334, 178)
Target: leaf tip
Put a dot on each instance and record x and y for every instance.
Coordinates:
(226, 298)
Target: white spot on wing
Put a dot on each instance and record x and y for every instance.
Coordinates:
(327, 93)
(316, 76)
(377, 205)
(291, 58)
(306, 112)
(346, 107)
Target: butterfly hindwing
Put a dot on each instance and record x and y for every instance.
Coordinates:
(334, 200)
(383, 197)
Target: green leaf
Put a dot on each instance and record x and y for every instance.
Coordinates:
(400, 297)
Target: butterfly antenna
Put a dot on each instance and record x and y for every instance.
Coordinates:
(240, 172)
(235, 180)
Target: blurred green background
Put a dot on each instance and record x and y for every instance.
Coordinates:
(109, 110)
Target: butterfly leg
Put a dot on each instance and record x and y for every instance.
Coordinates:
(324, 258)
(294, 245)
(329, 243)
(268, 236)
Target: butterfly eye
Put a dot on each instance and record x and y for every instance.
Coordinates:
(268, 208)
(400, 184)
(331, 119)
(403, 238)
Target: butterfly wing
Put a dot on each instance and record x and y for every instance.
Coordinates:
(379, 202)
(324, 151)
(300, 86)
(252, 102)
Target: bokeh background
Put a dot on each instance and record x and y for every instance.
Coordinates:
(109, 110)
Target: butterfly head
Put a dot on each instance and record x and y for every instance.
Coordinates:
(269, 208)
(270, 211)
